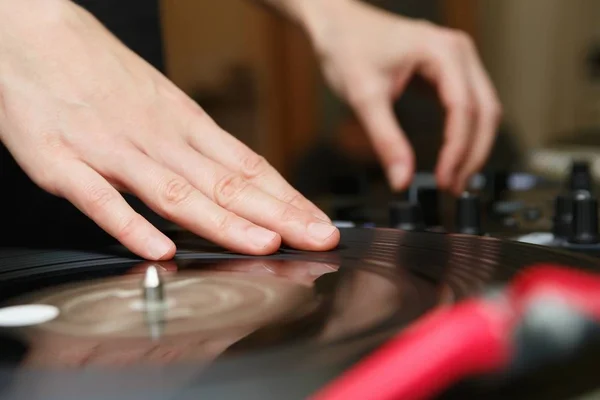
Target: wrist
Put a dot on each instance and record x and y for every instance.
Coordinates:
(317, 17)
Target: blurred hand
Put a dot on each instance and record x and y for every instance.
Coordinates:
(369, 55)
(85, 117)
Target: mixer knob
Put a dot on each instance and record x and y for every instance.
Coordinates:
(428, 199)
(496, 185)
(468, 214)
(563, 216)
(580, 177)
(584, 226)
(406, 216)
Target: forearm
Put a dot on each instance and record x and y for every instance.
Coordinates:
(311, 15)
(299, 10)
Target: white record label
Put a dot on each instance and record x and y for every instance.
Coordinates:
(27, 315)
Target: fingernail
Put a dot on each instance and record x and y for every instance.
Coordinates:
(320, 230)
(260, 237)
(158, 246)
(397, 175)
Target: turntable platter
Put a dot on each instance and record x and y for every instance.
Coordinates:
(195, 302)
(232, 324)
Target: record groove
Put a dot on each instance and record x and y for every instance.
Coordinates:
(372, 286)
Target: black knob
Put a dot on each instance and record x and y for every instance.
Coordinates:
(468, 214)
(428, 199)
(584, 227)
(580, 177)
(406, 216)
(563, 216)
(497, 185)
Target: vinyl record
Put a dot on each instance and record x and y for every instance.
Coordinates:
(76, 324)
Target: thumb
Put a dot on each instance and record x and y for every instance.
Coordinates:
(388, 139)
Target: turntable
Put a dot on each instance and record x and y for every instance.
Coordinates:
(214, 324)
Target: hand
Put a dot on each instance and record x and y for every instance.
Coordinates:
(368, 56)
(85, 117)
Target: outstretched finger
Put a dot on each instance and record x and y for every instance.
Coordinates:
(101, 202)
(489, 111)
(388, 139)
(176, 199)
(298, 228)
(446, 69)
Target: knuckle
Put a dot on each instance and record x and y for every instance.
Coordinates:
(175, 192)
(429, 33)
(458, 38)
(493, 111)
(363, 93)
(229, 189)
(50, 174)
(463, 106)
(361, 89)
(128, 228)
(457, 147)
(465, 40)
(98, 198)
(224, 221)
(463, 144)
(198, 112)
(197, 119)
(476, 163)
(289, 214)
(424, 23)
(471, 109)
(48, 181)
(254, 166)
(53, 140)
(53, 145)
(291, 197)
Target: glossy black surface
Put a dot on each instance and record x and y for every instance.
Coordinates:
(407, 273)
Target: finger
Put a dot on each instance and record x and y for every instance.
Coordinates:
(388, 139)
(446, 71)
(489, 111)
(101, 202)
(228, 151)
(298, 228)
(175, 199)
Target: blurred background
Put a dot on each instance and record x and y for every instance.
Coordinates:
(256, 74)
